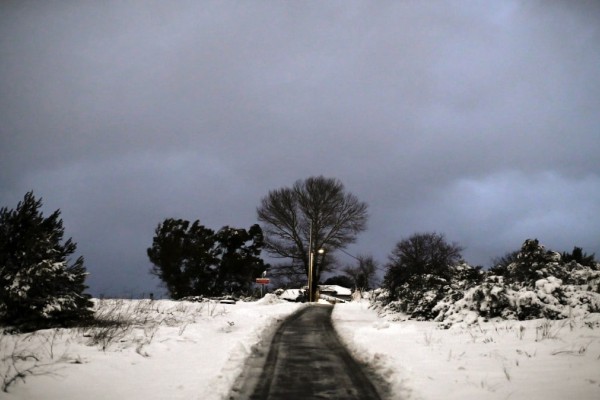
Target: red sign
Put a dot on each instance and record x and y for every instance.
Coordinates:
(263, 281)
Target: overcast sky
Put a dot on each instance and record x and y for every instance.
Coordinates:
(476, 119)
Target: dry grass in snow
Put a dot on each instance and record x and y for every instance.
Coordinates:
(140, 349)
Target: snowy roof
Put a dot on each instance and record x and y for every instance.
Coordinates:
(290, 294)
(339, 290)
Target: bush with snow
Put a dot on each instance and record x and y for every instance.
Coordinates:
(420, 301)
(538, 284)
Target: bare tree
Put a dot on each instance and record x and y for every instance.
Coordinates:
(500, 264)
(418, 258)
(363, 272)
(314, 211)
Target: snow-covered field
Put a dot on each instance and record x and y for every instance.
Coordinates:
(536, 359)
(172, 350)
(184, 350)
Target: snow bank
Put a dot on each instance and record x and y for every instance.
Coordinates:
(270, 299)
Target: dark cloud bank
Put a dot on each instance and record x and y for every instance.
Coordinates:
(476, 119)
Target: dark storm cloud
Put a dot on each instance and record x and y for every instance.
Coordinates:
(471, 118)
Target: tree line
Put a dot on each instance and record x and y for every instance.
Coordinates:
(41, 285)
(302, 227)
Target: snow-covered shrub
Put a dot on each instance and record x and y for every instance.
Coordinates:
(489, 299)
(494, 298)
(39, 286)
(423, 297)
(530, 304)
(464, 276)
(418, 303)
(533, 262)
(536, 284)
(581, 302)
(572, 273)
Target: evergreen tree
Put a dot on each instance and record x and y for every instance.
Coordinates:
(193, 260)
(240, 261)
(40, 285)
(530, 262)
(183, 257)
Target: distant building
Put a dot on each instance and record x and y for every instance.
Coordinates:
(330, 293)
(335, 293)
(295, 295)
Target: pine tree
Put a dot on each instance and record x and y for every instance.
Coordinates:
(193, 260)
(39, 285)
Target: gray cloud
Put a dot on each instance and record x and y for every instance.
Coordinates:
(477, 120)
